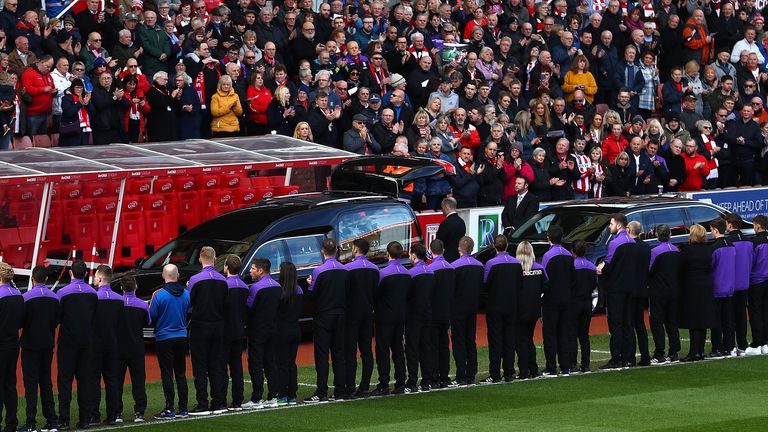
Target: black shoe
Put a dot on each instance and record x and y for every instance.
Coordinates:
(50, 427)
(361, 394)
(82, 425)
(26, 428)
(380, 391)
(63, 426)
(509, 378)
(611, 365)
(316, 398)
(412, 389)
(426, 388)
(644, 362)
(110, 421)
(585, 369)
(565, 372)
(200, 410)
(399, 390)
(443, 384)
(672, 358)
(628, 364)
(548, 373)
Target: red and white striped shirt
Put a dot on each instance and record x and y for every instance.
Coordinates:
(597, 186)
(583, 163)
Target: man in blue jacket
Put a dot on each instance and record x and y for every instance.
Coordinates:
(168, 310)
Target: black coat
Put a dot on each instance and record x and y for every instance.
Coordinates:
(188, 122)
(161, 120)
(491, 182)
(540, 184)
(450, 231)
(515, 215)
(619, 180)
(108, 114)
(697, 300)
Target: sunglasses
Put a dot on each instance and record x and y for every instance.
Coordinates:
(251, 58)
(79, 70)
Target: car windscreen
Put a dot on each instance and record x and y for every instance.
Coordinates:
(184, 252)
(577, 225)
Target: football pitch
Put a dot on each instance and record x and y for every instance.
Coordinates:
(713, 395)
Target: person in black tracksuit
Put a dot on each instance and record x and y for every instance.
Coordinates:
(528, 310)
(584, 283)
(557, 310)
(263, 303)
(329, 283)
(363, 278)
(289, 334)
(663, 287)
(417, 321)
(234, 325)
(73, 353)
(639, 301)
(389, 302)
(758, 286)
(42, 312)
(618, 270)
(503, 277)
(744, 255)
(105, 358)
(466, 297)
(441, 299)
(11, 318)
(135, 319)
(723, 265)
(208, 295)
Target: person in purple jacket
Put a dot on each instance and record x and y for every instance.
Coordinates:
(585, 282)
(664, 292)
(466, 297)
(723, 264)
(42, 311)
(417, 321)
(441, 299)
(528, 310)
(556, 304)
(329, 284)
(11, 315)
(135, 319)
(503, 278)
(234, 325)
(289, 334)
(758, 288)
(744, 253)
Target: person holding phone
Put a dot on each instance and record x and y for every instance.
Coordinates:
(76, 111)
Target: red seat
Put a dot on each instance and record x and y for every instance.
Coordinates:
(96, 189)
(184, 183)
(231, 181)
(163, 185)
(190, 214)
(157, 229)
(131, 204)
(24, 212)
(54, 231)
(10, 243)
(28, 245)
(277, 181)
(171, 201)
(132, 234)
(286, 190)
(243, 197)
(24, 193)
(105, 205)
(139, 186)
(263, 192)
(69, 191)
(208, 181)
(260, 182)
(221, 202)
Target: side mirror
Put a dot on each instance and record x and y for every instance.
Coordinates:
(139, 261)
(508, 231)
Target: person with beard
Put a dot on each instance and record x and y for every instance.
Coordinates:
(607, 65)
(467, 133)
(477, 120)
(465, 183)
(491, 179)
(305, 46)
(322, 119)
(745, 139)
(623, 106)
(675, 164)
(696, 169)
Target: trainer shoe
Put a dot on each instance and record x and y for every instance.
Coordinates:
(165, 415)
(219, 410)
(380, 391)
(764, 349)
(750, 351)
(316, 398)
(234, 407)
(292, 401)
(490, 380)
(426, 388)
(182, 414)
(283, 401)
(453, 384)
(50, 427)
(64, 426)
(411, 389)
(199, 411)
(548, 373)
(251, 405)
(657, 360)
(565, 372)
(270, 403)
(672, 358)
(138, 417)
(26, 428)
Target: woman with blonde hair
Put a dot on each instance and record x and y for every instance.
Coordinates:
(697, 300)
(225, 109)
(528, 310)
(654, 131)
(450, 142)
(579, 78)
(280, 113)
(420, 127)
(541, 119)
(434, 109)
(303, 132)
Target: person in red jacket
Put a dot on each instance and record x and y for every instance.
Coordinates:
(696, 169)
(465, 132)
(614, 143)
(132, 69)
(258, 98)
(38, 83)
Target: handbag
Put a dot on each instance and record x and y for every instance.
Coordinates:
(70, 128)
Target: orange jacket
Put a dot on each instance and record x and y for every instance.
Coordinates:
(695, 39)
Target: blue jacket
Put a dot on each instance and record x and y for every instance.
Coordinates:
(638, 187)
(168, 310)
(634, 83)
(465, 185)
(439, 184)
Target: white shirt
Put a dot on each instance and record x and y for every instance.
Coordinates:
(743, 45)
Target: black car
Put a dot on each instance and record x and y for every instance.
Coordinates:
(588, 220)
(292, 228)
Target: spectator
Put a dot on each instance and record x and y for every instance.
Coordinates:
(136, 115)
(225, 109)
(161, 121)
(641, 167)
(675, 164)
(540, 186)
(38, 83)
(620, 177)
(258, 97)
(745, 140)
(95, 50)
(696, 169)
(614, 143)
(696, 38)
(155, 44)
(673, 128)
(280, 113)
(579, 78)
(525, 133)
(358, 139)
(125, 48)
(465, 183)
(76, 111)
(21, 57)
(109, 104)
(188, 102)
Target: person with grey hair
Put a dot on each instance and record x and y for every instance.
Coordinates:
(109, 105)
(540, 186)
(155, 43)
(168, 311)
(125, 48)
(451, 229)
(324, 82)
(189, 112)
(161, 121)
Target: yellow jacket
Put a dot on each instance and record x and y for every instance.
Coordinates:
(224, 116)
(572, 79)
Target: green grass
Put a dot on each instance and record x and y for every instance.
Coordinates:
(712, 395)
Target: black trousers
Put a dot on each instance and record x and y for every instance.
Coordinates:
(581, 320)
(233, 349)
(73, 363)
(172, 359)
(663, 315)
(9, 399)
(440, 351)
(359, 336)
(417, 350)
(105, 365)
(619, 325)
(389, 342)
(137, 368)
(697, 337)
(723, 334)
(262, 363)
(329, 338)
(758, 307)
(637, 322)
(556, 328)
(206, 348)
(36, 370)
(501, 344)
(289, 337)
(463, 334)
(526, 350)
(740, 317)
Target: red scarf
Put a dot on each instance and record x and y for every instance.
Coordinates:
(424, 52)
(199, 83)
(85, 120)
(378, 76)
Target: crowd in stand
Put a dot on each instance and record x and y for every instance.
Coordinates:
(416, 316)
(590, 98)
